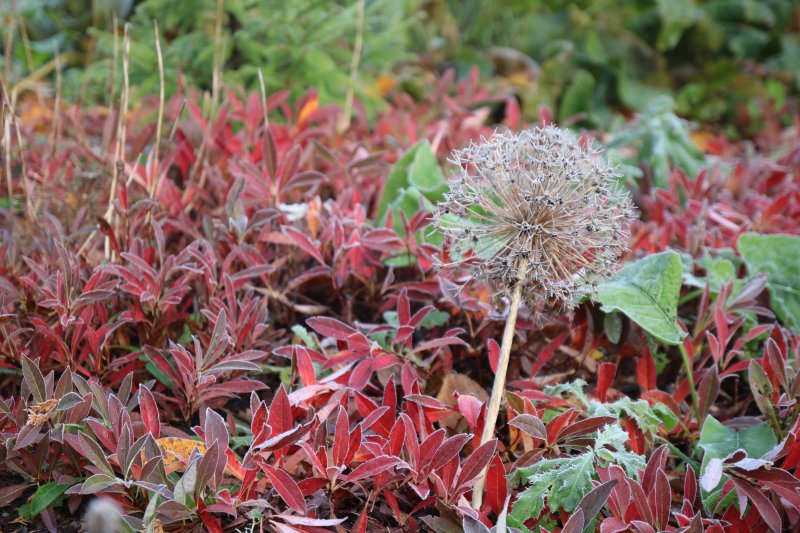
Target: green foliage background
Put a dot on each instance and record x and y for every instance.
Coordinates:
(587, 58)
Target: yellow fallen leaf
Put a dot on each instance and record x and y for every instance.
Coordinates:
(385, 84)
(177, 451)
(701, 139)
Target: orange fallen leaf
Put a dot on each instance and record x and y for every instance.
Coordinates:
(176, 453)
(307, 110)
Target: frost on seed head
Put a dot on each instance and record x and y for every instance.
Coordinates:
(537, 208)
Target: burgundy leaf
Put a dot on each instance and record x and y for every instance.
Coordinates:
(374, 466)
(286, 487)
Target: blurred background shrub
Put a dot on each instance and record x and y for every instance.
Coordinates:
(720, 61)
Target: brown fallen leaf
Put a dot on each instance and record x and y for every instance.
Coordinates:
(463, 385)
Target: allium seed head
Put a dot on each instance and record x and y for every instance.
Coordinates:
(536, 208)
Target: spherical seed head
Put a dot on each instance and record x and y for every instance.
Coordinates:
(537, 208)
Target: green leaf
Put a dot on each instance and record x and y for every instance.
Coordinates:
(719, 441)
(425, 174)
(647, 292)
(677, 16)
(44, 496)
(778, 256)
(578, 97)
(415, 183)
(397, 180)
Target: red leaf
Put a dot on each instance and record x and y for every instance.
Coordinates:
(575, 523)
(585, 427)
(646, 371)
(280, 413)
(765, 508)
(374, 466)
(360, 375)
(305, 367)
(547, 352)
(341, 438)
(605, 377)
(496, 486)
(286, 487)
(449, 449)
(149, 410)
(211, 522)
(403, 308)
(637, 441)
(471, 408)
(330, 327)
(661, 498)
(494, 354)
(690, 485)
(530, 424)
(301, 240)
(476, 462)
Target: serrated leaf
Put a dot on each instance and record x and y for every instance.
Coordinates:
(647, 292)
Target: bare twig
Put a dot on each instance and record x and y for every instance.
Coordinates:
(155, 170)
(216, 82)
(119, 152)
(8, 27)
(344, 119)
(56, 126)
(6, 145)
(264, 109)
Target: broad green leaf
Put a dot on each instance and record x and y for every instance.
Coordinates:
(778, 256)
(44, 496)
(398, 179)
(579, 96)
(425, 173)
(719, 441)
(647, 292)
(677, 16)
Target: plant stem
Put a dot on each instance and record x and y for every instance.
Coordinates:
(687, 365)
(499, 386)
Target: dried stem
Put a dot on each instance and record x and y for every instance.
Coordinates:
(29, 206)
(155, 170)
(6, 146)
(216, 82)
(8, 26)
(119, 151)
(56, 126)
(499, 387)
(687, 365)
(344, 118)
(263, 87)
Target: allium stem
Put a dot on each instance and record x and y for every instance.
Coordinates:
(499, 386)
(687, 365)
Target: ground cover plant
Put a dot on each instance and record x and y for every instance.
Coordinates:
(240, 311)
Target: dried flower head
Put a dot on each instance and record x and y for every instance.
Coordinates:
(537, 208)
